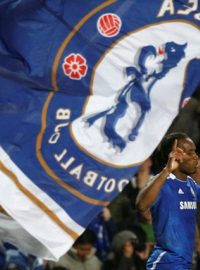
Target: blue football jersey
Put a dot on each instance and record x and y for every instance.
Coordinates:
(174, 218)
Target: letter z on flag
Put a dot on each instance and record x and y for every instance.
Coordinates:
(87, 91)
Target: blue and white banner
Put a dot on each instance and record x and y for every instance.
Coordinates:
(87, 91)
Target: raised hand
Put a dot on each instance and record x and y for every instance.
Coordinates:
(175, 157)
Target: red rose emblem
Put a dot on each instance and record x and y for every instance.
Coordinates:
(75, 66)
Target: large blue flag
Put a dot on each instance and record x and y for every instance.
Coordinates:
(87, 91)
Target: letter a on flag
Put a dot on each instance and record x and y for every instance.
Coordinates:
(87, 91)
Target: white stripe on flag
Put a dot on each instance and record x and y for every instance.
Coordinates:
(16, 202)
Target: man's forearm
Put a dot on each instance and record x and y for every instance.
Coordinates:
(149, 193)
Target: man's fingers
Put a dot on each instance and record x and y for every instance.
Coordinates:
(174, 145)
(177, 154)
(180, 151)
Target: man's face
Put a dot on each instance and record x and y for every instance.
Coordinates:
(83, 250)
(190, 159)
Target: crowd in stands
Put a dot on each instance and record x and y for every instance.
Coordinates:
(119, 238)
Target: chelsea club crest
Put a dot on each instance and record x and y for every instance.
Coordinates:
(132, 88)
(122, 85)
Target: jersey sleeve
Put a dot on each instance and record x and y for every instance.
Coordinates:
(196, 187)
(158, 199)
(159, 195)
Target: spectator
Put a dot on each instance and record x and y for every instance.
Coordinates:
(123, 207)
(15, 260)
(123, 255)
(145, 222)
(82, 255)
(105, 229)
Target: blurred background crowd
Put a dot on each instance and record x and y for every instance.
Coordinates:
(119, 238)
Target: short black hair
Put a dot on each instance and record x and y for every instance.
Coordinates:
(88, 237)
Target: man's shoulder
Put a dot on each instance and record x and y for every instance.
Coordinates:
(168, 179)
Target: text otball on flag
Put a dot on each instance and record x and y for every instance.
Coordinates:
(87, 91)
